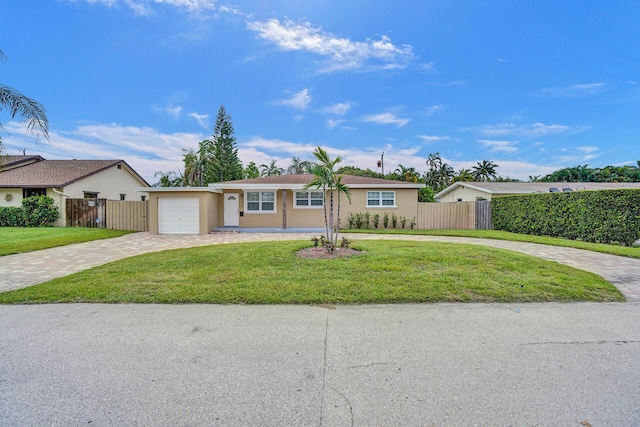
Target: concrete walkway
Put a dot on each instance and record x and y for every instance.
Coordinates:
(22, 270)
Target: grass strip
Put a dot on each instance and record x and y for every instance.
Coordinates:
(271, 273)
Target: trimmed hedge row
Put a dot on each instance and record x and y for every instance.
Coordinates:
(604, 216)
(36, 211)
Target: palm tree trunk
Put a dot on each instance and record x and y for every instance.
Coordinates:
(335, 243)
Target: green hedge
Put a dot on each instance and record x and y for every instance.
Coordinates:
(36, 211)
(604, 216)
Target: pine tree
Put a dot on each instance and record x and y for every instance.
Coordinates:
(225, 165)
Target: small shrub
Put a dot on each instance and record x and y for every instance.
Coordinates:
(394, 220)
(403, 221)
(376, 220)
(11, 216)
(316, 241)
(412, 224)
(359, 220)
(367, 219)
(40, 211)
(345, 243)
(351, 220)
(385, 220)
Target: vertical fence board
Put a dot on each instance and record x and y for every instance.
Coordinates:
(459, 215)
(483, 215)
(111, 214)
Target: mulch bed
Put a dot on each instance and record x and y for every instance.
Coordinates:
(322, 253)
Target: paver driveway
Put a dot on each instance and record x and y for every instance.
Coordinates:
(21, 270)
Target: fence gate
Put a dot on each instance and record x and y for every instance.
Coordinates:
(483, 215)
(91, 213)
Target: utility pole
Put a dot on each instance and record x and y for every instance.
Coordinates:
(381, 163)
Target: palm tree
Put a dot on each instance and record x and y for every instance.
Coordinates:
(299, 166)
(271, 169)
(167, 179)
(31, 112)
(406, 174)
(485, 170)
(330, 182)
(464, 175)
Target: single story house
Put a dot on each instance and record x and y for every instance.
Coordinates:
(278, 202)
(473, 191)
(24, 176)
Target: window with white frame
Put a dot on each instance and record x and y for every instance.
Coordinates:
(381, 198)
(309, 199)
(261, 201)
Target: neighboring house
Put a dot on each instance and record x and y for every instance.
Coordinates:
(24, 176)
(272, 202)
(472, 191)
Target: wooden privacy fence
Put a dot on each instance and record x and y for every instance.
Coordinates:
(109, 214)
(456, 215)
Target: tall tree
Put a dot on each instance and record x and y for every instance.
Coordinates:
(226, 165)
(485, 170)
(167, 179)
(271, 169)
(251, 171)
(330, 182)
(29, 111)
(464, 175)
(299, 166)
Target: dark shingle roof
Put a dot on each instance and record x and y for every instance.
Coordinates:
(10, 162)
(307, 178)
(54, 173)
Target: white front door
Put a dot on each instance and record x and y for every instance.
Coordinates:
(231, 210)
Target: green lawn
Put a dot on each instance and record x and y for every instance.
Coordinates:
(15, 240)
(626, 251)
(271, 273)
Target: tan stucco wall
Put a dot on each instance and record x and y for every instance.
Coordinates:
(109, 184)
(208, 202)
(466, 194)
(15, 196)
(406, 202)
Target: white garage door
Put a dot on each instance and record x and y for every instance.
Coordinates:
(178, 215)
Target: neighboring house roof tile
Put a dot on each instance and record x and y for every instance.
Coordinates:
(10, 162)
(502, 188)
(56, 173)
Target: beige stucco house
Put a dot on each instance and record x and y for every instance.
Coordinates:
(277, 202)
(24, 176)
(473, 191)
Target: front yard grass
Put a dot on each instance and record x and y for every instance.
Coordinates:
(271, 273)
(14, 240)
(626, 251)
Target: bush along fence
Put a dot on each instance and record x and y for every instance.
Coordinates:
(36, 211)
(605, 216)
(359, 220)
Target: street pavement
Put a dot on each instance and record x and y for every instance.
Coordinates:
(381, 365)
(574, 364)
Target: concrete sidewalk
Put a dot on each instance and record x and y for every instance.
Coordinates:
(399, 365)
(21, 270)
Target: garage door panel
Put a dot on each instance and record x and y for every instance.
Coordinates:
(178, 215)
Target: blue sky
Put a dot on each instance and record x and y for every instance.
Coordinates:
(530, 85)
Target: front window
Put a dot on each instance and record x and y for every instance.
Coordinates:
(90, 195)
(309, 199)
(261, 201)
(381, 198)
(28, 192)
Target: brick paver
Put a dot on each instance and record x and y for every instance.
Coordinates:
(22, 270)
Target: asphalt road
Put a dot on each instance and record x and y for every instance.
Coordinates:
(400, 365)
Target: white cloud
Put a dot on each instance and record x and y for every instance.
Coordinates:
(333, 123)
(339, 109)
(145, 149)
(433, 138)
(575, 90)
(386, 119)
(533, 130)
(202, 119)
(144, 7)
(499, 146)
(340, 53)
(434, 109)
(587, 149)
(170, 109)
(299, 100)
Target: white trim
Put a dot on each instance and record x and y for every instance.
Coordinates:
(177, 189)
(381, 206)
(309, 206)
(260, 211)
